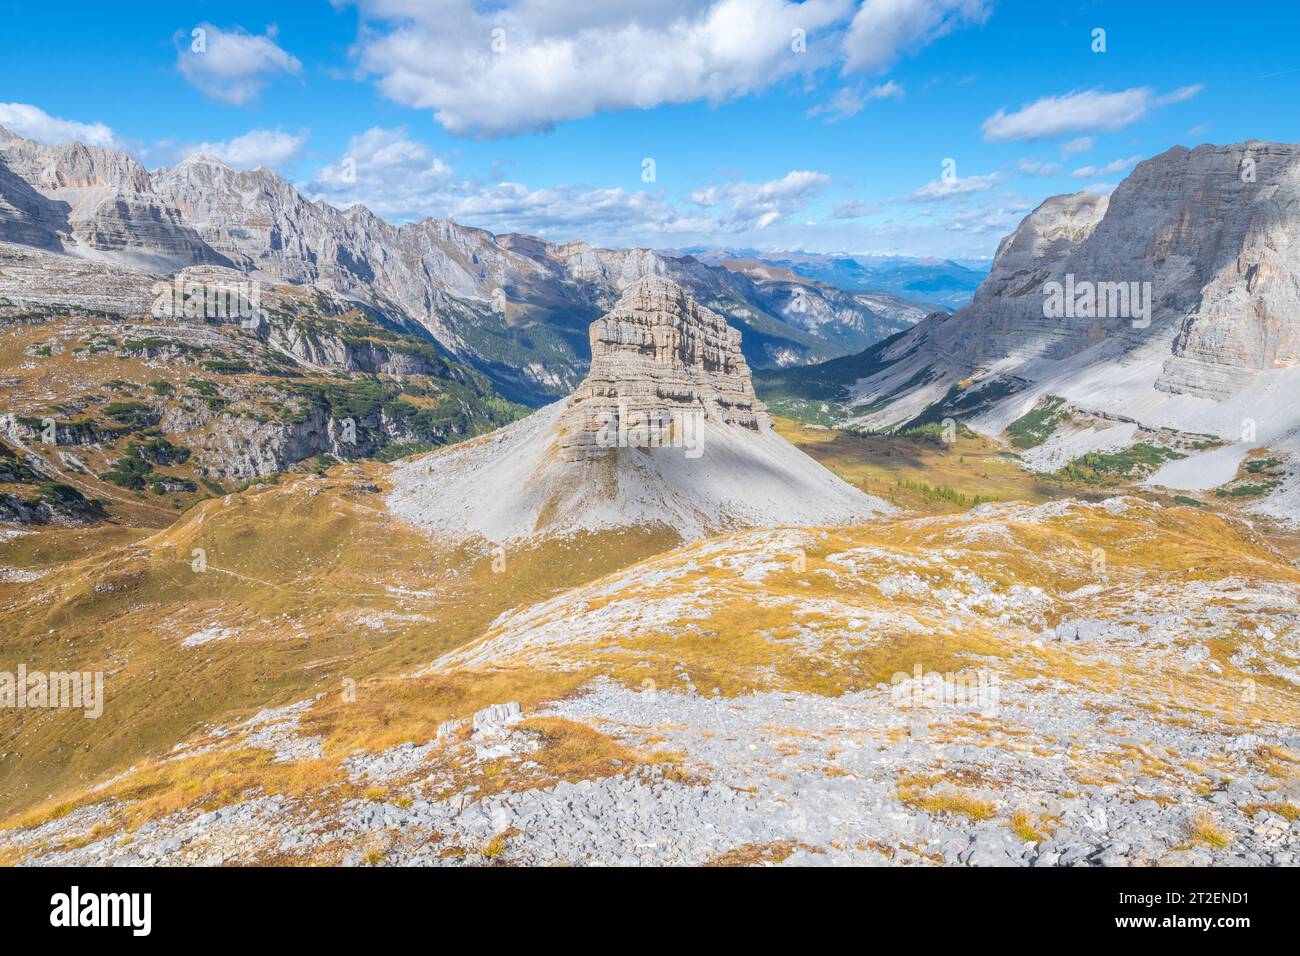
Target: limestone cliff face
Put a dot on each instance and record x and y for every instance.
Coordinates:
(658, 358)
(78, 197)
(1214, 232)
(665, 433)
(1245, 317)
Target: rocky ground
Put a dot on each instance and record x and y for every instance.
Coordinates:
(1103, 723)
(782, 778)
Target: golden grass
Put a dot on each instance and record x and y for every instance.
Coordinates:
(970, 466)
(202, 782)
(1205, 830)
(758, 854)
(495, 848)
(391, 711)
(1026, 828)
(574, 751)
(1287, 811)
(292, 570)
(959, 804)
(914, 790)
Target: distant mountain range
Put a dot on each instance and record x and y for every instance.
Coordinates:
(514, 307)
(941, 282)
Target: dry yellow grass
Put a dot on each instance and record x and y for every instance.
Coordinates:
(573, 751)
(971, 466)
(496, 847)
(959, 804)
(1205, 830)
(757, 854)
(297, 569)
(295, 573)
(1026, 827)
(1287, 811)
(915, 790)
(203, 782)
(387, 712)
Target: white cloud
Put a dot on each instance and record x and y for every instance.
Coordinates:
(853, 209)
(491, 72)
(391, 174)
(751, 206)
(1034, 167)
(883, 29)
(849, 101)
(258, 147)
(988, 219)
(1119, 165)
(33, 122)
(955, 186)
(232, 65)
(1080, 111)
(1079, 145)
(403, 180)
(567, 212)
(500, 69)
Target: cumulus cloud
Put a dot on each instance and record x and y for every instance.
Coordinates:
(1079, 145)
(404, 180)
(1081, 111)
(33, 122)
(232, 65)
(393, 175)
(1119, 165)
(258, 147)
(988, 219)
(849, 101)
(750, 206)
(490, 72)
(568, 211)
(1034, 167)
(883, 29)
(494, 70)
(945, 188)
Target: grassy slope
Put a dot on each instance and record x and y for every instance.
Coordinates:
(317, 583)
(314, 580)
(822, 624)
(972, 466)
(83, 387)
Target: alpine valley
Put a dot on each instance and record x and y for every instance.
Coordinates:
(418, 545)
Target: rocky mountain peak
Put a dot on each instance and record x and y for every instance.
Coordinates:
(203, 159)
(658, 358)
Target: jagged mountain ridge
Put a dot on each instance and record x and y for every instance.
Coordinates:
(530, 339)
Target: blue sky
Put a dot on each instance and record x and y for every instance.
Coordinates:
(419, 108)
